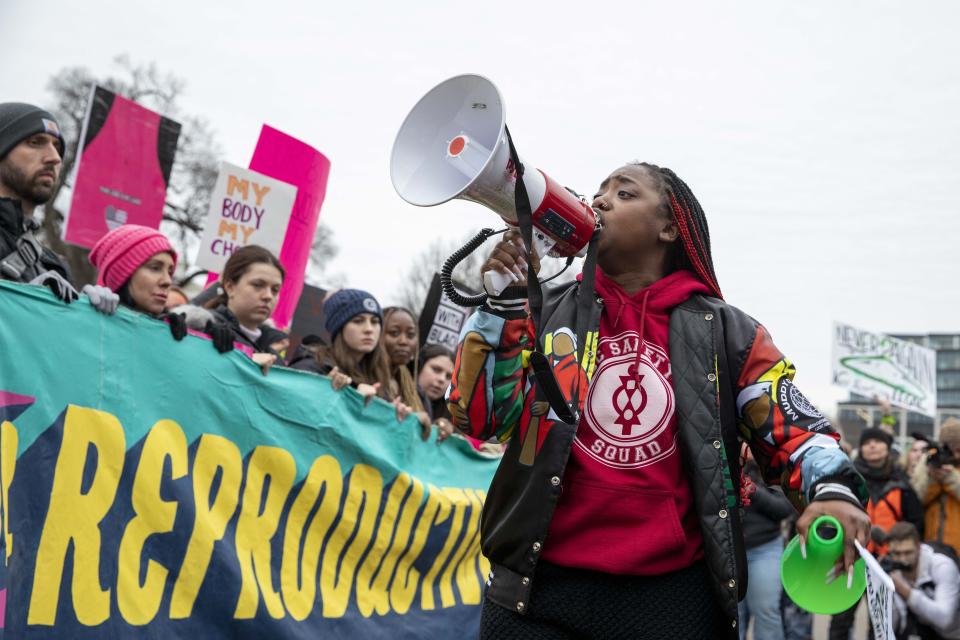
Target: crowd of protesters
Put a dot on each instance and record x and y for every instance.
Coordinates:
(376, 351)
(914, 499)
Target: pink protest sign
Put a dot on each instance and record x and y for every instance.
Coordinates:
(123, 168)
(289, 160)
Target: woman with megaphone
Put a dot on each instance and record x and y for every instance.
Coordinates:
(615, 510)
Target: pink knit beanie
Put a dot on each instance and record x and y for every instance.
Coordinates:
(124, 250)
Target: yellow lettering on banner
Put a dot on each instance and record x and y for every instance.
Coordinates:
(74, 517)
(8, 462)
(453, 501)
(214, 454)
(238, 184)
(227, 227)
(446, 580)
(366, 487)
(259, 191)
(139, 603)
(298, 578)
(366, 591)
(255, 529)
(467, 582)
(404, 586)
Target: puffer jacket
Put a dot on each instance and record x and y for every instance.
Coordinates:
(730, 382)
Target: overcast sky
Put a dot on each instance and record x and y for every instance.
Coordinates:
(822, 138)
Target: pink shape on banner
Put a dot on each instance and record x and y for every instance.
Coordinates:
(8, 398)
(119, 178)
(3, 606)
(287, 159)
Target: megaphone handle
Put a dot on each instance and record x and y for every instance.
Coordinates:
(495, 282)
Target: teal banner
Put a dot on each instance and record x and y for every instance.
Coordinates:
(157, 489)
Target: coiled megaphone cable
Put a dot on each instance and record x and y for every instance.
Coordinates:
(446, 273)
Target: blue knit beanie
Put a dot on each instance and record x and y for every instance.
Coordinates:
(19, 121)
(344, 305)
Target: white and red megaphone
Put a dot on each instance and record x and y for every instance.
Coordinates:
(453, 144)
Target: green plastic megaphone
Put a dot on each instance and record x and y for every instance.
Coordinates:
(805, 580)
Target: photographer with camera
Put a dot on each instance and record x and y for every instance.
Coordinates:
(927, 583)
(937, 482)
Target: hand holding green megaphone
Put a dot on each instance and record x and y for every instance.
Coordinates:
(811, 582)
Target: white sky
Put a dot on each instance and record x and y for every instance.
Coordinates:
(822, 138)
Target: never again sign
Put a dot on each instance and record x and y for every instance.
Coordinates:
(246, 207)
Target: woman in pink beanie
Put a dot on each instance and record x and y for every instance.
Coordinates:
(136, 263)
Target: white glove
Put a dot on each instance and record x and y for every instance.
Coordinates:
(58, 284)
(103, 299)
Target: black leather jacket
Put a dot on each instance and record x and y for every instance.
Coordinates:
(719, 356)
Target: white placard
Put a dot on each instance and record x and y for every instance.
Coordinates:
(246, 208)
(879, 596)
(873, 364)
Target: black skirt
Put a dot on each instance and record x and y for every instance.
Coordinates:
(576, 603)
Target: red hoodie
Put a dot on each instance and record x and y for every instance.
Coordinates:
(627, 507)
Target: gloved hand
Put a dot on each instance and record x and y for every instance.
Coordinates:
(58, 284)
(102, 299)
(178, 324)
(222, 335)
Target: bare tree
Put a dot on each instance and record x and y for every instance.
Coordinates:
(194, 170)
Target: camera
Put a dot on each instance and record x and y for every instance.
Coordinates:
(940, 454)
(888, 564)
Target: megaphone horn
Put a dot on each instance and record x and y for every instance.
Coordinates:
(453, 144)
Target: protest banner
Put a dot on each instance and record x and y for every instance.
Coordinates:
(158, 489)
(123, 167)
(873, 364)
(287, 159)
(246, 207)
(879, 596)
(441, 319)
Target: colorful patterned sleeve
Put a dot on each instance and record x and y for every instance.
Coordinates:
(793, 443)
(486, 394)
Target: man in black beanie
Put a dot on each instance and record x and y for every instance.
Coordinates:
(31, 155)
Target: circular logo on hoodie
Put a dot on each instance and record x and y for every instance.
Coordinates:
(627, 411)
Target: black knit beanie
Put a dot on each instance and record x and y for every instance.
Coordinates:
(873, 433)
(19, 121)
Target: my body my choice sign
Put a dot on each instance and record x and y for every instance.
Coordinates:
(873, 364)
(246, 207)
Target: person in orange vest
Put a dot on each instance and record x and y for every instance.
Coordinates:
(892, 500)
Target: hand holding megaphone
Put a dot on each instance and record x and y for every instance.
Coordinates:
(508, 263)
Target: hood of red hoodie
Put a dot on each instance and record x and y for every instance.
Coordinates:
(661, 296)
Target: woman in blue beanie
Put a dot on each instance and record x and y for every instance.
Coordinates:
(355, 356)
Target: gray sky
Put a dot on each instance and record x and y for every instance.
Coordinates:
(822, 138)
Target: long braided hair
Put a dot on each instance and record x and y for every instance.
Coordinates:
(678, 201)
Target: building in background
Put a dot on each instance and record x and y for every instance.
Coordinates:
(859, 411)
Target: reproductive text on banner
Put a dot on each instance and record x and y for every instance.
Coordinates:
(157, 489)
(873, 364)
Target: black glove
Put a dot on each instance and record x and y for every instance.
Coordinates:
(58, 284)
(222, 335)
(178, 324)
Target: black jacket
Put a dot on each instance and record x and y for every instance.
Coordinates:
(730, 382)
(767, 509)
(268, 334)
(13, 224)
(892, 495)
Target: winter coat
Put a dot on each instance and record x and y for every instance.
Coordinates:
(892, 498)
(13, 224)
(268, 334)
(768, 508)
(730, 382)
(941, 503)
